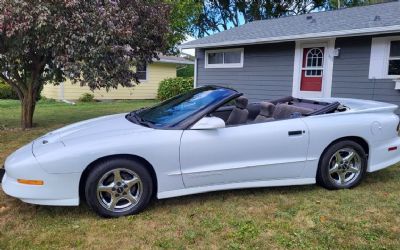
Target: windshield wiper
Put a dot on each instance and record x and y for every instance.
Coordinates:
(134, 117)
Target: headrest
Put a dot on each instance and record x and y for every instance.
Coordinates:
(241, 102)
(284, 111)
(266, 109)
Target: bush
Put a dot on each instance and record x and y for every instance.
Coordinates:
(6, 92)
(185, 71)
(171, 87)
(86, 97)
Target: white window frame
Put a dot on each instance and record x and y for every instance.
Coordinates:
(380, 56)
(224, 65)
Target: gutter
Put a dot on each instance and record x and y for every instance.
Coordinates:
(172, 61)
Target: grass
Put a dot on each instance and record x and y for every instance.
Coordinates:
(301, 217)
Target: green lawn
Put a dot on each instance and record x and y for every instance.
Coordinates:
(301, 217)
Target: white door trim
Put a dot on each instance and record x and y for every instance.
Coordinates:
(329, 49)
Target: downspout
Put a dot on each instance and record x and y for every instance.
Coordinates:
(61, 94)
(195, 69)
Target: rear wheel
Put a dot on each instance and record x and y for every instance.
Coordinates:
(118, 187)
(343, 165)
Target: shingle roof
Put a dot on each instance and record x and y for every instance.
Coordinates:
(372, 19)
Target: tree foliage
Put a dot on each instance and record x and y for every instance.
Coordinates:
(337, 4)
(92, 42)
(182, 15)
(220, 15)
(212, 16)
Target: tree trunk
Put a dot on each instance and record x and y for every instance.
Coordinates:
(28, 104)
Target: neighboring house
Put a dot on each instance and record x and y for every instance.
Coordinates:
(353, 52)
(150, 76)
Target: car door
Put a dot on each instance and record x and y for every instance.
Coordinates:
(245, 153)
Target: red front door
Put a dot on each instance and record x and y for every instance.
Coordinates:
(312, 69)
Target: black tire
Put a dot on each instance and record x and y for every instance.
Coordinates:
(328, 160)
(126, 168)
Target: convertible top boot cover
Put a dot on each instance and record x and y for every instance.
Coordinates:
(239, 113)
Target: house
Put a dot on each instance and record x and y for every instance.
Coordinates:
(149, 75)
(352, 52)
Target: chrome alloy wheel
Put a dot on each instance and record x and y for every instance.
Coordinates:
(119, 190)
(345, 166)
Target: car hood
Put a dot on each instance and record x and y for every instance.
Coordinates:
(92, 129)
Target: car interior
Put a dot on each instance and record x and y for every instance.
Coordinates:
(243, 112)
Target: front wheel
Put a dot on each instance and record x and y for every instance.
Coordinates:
(343, 165)
(118, 187)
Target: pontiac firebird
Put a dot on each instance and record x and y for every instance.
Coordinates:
(207, 139)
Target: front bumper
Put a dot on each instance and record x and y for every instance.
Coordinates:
(57, 189)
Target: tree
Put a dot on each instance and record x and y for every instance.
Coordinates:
(183, 13)
(93, 42)
(337, 4)
(220, 15)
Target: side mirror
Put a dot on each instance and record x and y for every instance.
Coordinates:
(209, 123)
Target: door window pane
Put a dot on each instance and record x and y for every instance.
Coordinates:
(314, 57)
(232, 57)
(215, 58)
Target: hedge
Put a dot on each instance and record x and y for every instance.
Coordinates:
(171, 87)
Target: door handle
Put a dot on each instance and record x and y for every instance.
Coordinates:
(296, 132)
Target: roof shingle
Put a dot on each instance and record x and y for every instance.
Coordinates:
(378, 18)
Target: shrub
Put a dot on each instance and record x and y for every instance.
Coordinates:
(6, 92)
(171, 87)
(185, 71)
(86, 97)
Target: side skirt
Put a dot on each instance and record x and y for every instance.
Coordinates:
(240, 185)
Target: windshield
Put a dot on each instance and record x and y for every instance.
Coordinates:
(177, 109)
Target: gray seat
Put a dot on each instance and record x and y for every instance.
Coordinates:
(285, 111)
(239, 113)
(266, 112)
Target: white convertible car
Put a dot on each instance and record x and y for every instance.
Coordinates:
(205, 140)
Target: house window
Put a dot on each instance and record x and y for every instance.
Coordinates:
(314, 62)
(385, 58)
(226, 58)
(394, 58)
(141, 71)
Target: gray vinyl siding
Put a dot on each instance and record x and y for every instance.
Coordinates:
(351, 70)
(267, 72)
